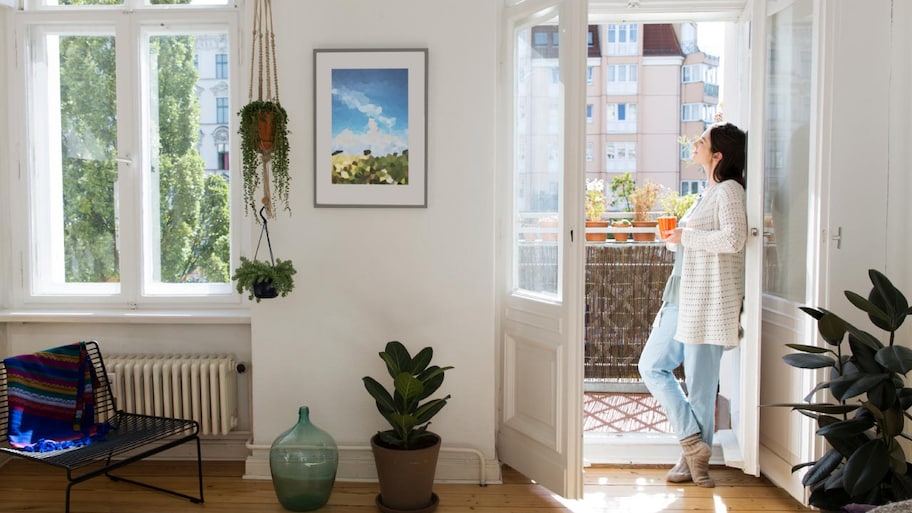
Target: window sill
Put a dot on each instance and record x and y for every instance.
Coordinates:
(127, 316)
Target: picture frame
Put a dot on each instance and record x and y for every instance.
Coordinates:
(370, 128)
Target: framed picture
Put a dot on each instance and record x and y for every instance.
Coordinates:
(370, 128)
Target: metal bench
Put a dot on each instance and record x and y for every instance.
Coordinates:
(132, 437)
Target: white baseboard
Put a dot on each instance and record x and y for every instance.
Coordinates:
(454, 465)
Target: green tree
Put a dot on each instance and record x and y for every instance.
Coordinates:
(194, 217)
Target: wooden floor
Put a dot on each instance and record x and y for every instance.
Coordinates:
(29, 487)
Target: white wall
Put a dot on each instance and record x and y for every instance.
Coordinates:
(4, 179)
(368, 276)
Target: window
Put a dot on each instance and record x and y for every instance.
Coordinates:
(692, 73)
(621, 118)
(122, 209)
(698, 112)
(620, 157)
(589, 113)
(692, 186)
(221, 65)
(589, 148)
(622, 79)
(221, 110)
(589, 75)
(622, 40)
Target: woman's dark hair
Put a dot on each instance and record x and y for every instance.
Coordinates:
(731, 142)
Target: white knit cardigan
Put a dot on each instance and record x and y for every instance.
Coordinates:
(712, 270)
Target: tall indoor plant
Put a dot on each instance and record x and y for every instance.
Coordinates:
(406, 454)
(263, 121)
(863, 419)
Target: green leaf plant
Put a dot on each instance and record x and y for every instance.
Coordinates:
(254, 157)
(251, 273)
(869, 402)
(414, 380)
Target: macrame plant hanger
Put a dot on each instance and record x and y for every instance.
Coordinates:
(263, 58)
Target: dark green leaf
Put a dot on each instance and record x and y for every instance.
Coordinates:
(380, 394)
(846, 428)
(397, 358)
(809, 361)
(866, 468)
(847, 387)
(889, 299)
(834, 409)
(893, 422)
(809, 349)
(859, 337)
(429, 409)
(902, 485)
(883, 395)
(822, 468)
(875, 313)
(813, 312)
(896, 358)
(832, 328)
(421, 361)
(408, 386)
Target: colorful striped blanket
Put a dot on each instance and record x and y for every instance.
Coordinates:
(51, 399)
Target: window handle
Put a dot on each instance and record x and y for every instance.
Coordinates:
(128, 160)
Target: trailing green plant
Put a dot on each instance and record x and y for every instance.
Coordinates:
(868, 404)
(253, 157)
(252, 273)
(414, 380)
(621, 187)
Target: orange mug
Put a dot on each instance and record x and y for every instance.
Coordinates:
(667, 224)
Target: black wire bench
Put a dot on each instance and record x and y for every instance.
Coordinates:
(131, 437)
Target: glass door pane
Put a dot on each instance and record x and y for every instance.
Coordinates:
(538, 165)
(787, 146)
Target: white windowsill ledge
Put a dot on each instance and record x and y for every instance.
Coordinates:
(128, 316)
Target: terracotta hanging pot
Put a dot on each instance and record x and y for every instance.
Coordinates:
(266, 125)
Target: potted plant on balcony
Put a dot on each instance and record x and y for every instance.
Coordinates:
(865, 464)
(406, 455)
(621, 224)
(643, 200)
(622, 186)
(595, 206)
(263, 123)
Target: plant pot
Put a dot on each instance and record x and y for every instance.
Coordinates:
(597, 237)
(266, 126)
(264, 290)
(406, 477)
(621, 236)
(548, 223)
(645, 236)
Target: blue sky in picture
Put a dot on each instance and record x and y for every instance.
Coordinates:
(370, 111)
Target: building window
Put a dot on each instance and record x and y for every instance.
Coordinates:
(691, 73)
(122, 209)
(221, 65)
(699, 112)
(223, 160)
(589, 75)
(622, 39)
(622, 79)
(589, 149)
(692, 186)
(589, 113)
(621, 118)
(620, 157)
(221, 111)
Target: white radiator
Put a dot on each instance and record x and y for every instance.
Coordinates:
(198, 387)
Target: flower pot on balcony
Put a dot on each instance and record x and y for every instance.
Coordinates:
(618, 235)
(598, 236)
(645, 236)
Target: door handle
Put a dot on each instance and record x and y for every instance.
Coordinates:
(838, 237)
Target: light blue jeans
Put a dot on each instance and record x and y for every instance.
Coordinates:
(695, 412)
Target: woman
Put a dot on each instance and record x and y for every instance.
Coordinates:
(701, 307)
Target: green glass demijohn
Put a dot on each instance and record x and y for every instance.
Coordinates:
(303, 462)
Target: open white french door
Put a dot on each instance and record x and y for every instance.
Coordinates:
(541, 315)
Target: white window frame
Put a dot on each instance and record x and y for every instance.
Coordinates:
(630, 45)
(618, 157)
(628, 125)
(127, 23)
(618, 78)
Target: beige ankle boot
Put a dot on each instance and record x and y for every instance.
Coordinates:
(697, 454)
(680, 473)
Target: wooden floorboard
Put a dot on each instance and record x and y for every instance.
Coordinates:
(36, 488)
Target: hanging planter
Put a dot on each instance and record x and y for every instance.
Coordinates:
(264, 280)
(264, 122)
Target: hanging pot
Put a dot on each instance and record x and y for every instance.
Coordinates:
(264, 290)
(266, 126)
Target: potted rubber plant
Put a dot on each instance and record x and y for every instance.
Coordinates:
(406, 454)
(867, 401)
